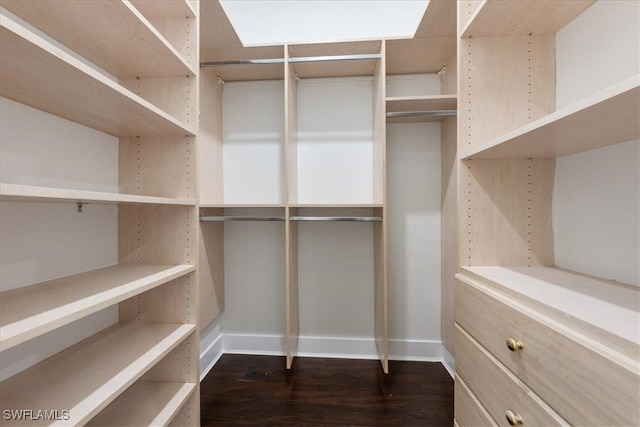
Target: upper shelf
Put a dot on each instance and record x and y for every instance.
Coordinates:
(29, 193)
(245, 63)
(114, 35)
(34, 310)
(335, 59)
(494, 18)
(37, 73)
(166, 9)
(605, 118)
(407, 56)
(597, 307)
(93, 372)
(418, 108)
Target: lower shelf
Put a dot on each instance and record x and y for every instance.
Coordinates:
(88, 376)
(146, 403)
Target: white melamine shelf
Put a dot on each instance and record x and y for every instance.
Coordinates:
(418, 104)
(608, 117)
(495, 18)
(30, 193)
(88, 376)
(37, 73)
(135, 49)
(146, 403)
(31, 311)
(607, 309)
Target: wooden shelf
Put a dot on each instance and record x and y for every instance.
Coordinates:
(338, 68)
(135, 50)
(605, 118)
(88, 376)
(146, 403)
(338, 206)
(495, 18)
(407, 56)
(607, 309)
(31, 311)
(30, 193)
(36, 73)
(173, 9)
(411, 104)
(242, 206)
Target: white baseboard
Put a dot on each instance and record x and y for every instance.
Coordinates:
(214, 344)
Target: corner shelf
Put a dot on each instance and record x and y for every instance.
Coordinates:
(146, 403)
(37, 73)
(418, 104)
(34, 310)
(30, 193)
(88, 376)
(136, 50)
(494, 18)
(608, 117)
(604, 308)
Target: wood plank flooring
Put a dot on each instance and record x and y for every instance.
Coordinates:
(247, 390)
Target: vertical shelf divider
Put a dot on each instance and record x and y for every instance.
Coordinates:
(291, 194)
(381, 292)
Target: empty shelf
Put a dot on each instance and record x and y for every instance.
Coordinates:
(146, 403)
(136, 49)
(93, 372)
(155, 10)
(522, 17)
(31, 311)
(337, 218)
(408, 109)
(240, 218)
(605, 118)
(37, 73)
(30, 193)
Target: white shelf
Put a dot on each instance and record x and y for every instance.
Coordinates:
(29, 193)
(31, 311)
(417, 104)
(146, 403)
(607, 309)
(494, 18)
(88, 376)
(135, 49)
(608, 117)
(37, 73)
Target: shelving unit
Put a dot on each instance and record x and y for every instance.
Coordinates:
(93, 372)
(508, 287)
(127, 69)
(37, 309)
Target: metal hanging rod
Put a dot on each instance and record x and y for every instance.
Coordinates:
(433, 113)
(240, 218)
(266, 61)
(359, 57)
(337, 218)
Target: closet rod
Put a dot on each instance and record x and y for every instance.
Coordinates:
(240, 218)
(359, 57)
(337, 218)
(432, 113)
(266, 61)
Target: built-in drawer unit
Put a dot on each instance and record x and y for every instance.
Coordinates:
(468, 409)
(504, 396)
(580, 377)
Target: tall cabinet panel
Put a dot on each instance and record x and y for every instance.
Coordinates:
(129, 70)
(536, 327)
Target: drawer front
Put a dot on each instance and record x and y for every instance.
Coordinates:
(468, 409)
(584, 387)
(497, 389)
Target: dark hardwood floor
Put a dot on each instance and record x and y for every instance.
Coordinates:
(258, 390)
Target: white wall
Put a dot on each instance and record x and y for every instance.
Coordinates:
(44, 241)
(253, 142)
(413, 191)
(596, 193)
(335, 140)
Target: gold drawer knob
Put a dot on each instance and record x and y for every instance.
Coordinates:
(514, 345)
(513, 419)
